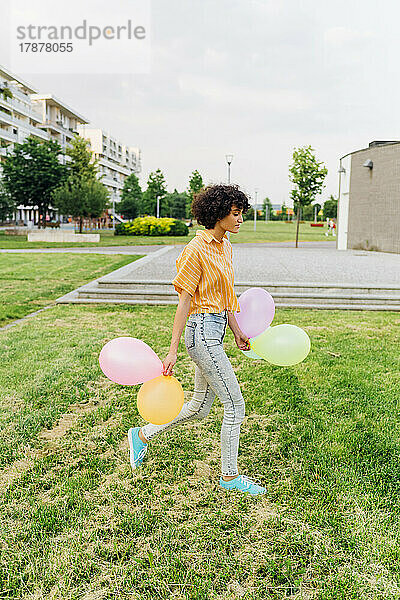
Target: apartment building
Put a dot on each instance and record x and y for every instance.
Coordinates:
(18, 117)
(115, 160)
(23, 113)
(57, 118)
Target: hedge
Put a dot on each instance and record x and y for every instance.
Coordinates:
(152, 226)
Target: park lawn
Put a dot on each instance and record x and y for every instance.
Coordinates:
(29, 282)
(273, 231)
(323, 436)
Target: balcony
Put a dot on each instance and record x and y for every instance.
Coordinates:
(8, 135)
(6, 118)
(114, 166)
(17, 107)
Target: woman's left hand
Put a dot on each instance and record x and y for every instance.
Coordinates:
(242, 341)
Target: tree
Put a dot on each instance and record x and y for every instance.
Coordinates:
(82, 165)
(283, 216)
(132, 197)
(177, 203)
(195, 185)
(267, 203)
(32, 172)
(307, 175)
(81, 194)
(156, 188)
(330, 208)
(7, 205)
(80, 197)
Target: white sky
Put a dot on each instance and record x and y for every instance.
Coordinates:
(254, 78)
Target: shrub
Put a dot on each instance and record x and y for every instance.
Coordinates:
(152, 226)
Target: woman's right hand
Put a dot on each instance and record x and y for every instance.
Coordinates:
(169, 362)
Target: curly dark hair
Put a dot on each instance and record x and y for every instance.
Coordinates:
(215, 202)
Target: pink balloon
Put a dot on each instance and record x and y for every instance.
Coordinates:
(257, 310)
(129, 361)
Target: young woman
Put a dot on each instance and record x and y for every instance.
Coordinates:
(204, 283)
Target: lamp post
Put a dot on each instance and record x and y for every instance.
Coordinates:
(229, 159)
(113, 203)
(158, 207)
(255, 208)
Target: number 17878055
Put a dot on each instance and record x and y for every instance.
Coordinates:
(46, 47)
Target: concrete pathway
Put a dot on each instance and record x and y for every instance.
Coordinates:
(97, 250)
(150, 249)
(311, 264)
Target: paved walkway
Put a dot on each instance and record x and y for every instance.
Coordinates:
(312, 262)
(272, 264)
(97, 250)
(149, 249)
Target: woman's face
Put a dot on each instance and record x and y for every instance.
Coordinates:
(232, 221)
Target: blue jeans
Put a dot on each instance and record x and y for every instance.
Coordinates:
(214, 376)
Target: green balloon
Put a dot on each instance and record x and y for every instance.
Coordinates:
(282, 345)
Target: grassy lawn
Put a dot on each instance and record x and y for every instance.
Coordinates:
(31, 281)
(266, 232)
(323, 436)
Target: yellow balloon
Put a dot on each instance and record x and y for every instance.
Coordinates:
(160, 399)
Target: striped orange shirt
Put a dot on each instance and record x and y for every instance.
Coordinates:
(205, 270)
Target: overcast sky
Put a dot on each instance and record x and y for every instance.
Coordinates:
(254, 78)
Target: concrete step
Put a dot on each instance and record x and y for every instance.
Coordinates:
(308, 305)
(321, 295)
(293, 297)
(156, 286)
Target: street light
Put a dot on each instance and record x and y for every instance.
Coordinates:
(255, 208)
(113, 203)
(229, 159)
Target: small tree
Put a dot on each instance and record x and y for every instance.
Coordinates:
(82, 164)
(330, 208)
(31, 172)
(267, 203)
(156, 189)
(195, 185)
(284, 212)
(7, 94)
(81, 198)
(131, 199)
(307, 175)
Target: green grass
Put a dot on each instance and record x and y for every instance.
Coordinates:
(265, 232)
(323, 436)
(31, 281)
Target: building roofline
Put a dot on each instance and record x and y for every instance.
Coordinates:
(8, 73)
(369, 148)
(55, 101)
(105, 132)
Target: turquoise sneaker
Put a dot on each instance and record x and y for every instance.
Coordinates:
(137, 448)
(243, 484)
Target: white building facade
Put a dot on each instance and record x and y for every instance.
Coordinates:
(115, 161)
(24, 113)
